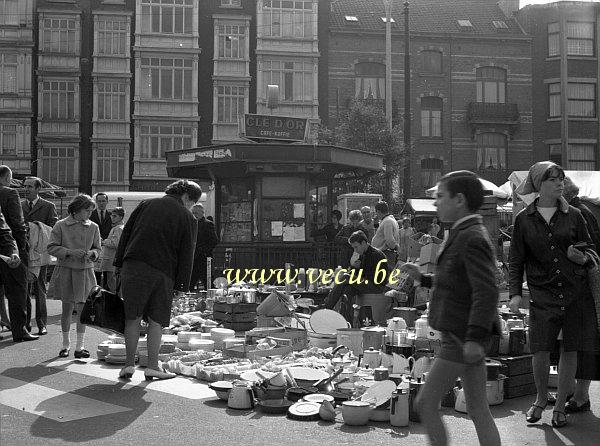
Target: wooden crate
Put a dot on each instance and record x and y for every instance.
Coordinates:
(284, 346)
(234, 308)
(515, 365)
(240, 326)
(219, 316)
(515, 392)
(519, 380)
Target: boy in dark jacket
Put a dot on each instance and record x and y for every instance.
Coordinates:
(462, 307)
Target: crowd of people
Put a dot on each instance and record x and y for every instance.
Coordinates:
(163, 248)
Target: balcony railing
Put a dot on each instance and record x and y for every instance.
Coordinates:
(485, 112)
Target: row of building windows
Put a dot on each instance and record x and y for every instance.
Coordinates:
(581, 100)
(580, 38)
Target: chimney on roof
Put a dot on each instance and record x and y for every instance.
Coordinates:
(509, 7)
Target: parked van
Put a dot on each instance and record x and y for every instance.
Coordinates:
(129, 200)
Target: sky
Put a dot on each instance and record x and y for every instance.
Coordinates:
(537, 2)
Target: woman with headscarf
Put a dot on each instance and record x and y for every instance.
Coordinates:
(542, 246)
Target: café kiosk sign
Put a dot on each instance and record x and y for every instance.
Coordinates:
(275, 127)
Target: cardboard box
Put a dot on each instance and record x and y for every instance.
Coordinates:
(422, 295)
(297, 336)
(430, 251)
(427, 268)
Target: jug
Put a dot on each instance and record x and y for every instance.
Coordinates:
(400, 364)
(422, 327)
(460, 405)
(399, 407)
(393, 325)
(241, 397)
(415, 387)
(420, 365)
(371, 358)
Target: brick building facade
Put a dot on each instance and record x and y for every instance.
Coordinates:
(565, 82)
(470, 82)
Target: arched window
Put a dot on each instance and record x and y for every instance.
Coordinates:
(431, 61)
(491, 151)
(431, 171)
(370, 80)
(431, 117)
(491, 85)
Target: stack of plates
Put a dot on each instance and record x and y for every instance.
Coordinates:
(103, 350)
(205, 336)
(219, 335)
(184, 338)
(116, 354)
(207, 345)
(116, 339)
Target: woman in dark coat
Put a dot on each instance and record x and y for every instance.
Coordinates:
(542, 247)
(155, 258)
(588, 363)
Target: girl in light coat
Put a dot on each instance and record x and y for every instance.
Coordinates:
(110, 245)
(75, 242)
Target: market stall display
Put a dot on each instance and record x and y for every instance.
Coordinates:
(356, 376)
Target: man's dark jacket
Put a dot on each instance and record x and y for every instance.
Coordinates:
(13, 215)
(465, 296)
(207, 238)
(43, 211)
(161, 232)
(104, 225)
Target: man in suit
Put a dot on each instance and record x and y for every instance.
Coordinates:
(101, 217)
(206, 241)
(35, 208)
(14, 278)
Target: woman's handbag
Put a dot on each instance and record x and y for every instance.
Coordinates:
(594, 281)
(105, 310)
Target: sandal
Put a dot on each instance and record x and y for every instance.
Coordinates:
(64, 352)
(530, 415)
(559, 419)
(83, 353)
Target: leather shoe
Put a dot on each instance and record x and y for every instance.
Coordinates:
(42, 331)
(150, 374)
(573, 407)
(26, 337)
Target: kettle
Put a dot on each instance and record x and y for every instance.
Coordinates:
(241, 397)
(420, 364)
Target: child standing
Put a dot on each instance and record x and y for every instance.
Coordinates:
(75, 242)
(110, 245)
(463, 307)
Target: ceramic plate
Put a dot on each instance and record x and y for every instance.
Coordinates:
(327, 321)
(304, 410)
(380, 392)
(308, 374)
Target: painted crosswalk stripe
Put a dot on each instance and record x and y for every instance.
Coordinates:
(184, 387)
(51, 403)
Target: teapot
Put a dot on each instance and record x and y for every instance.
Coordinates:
(241, 397)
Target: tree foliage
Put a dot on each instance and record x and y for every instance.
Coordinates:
(364, 127)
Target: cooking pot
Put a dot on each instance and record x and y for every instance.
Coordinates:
(494, 391)
(492, 369)
(373, 337)
(393, 325)
(371, 358)
(356, 413)
(241, 397)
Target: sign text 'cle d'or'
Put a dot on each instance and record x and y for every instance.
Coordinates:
(275, 127)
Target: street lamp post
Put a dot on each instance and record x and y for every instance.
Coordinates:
(407, 111)
(388, 62)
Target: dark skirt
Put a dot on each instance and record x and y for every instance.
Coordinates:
(577, 320)
(147, 292)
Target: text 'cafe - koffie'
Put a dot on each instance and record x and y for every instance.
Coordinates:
(271, 189)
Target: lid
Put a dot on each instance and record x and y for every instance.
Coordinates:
(327, 321)
(376, 329)
(357, 403)
(304, 410)
(380, 392)
(221, 385)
